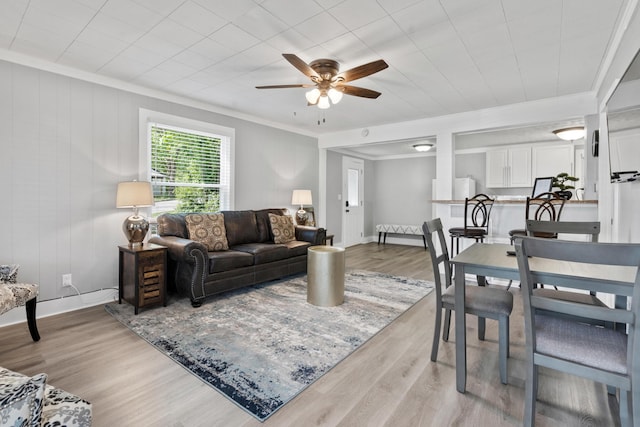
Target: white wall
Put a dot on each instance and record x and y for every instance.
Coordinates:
(64, 146)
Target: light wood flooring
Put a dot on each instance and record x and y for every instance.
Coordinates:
(389, 381)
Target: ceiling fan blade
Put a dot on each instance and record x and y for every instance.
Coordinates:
(282, 86)
(302, 66)
(362, 71)
(359, 91)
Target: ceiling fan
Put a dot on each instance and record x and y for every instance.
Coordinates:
(328, 83)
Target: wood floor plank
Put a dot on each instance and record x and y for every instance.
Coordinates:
(389, 381)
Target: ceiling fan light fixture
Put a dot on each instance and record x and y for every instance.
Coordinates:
(570, 134)
(313, 95)
(422, 147)
(323, 102)
(335, 95)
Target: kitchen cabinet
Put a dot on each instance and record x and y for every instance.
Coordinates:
(550, 160)
(509, 167)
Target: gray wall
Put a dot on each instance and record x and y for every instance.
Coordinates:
(472, 166)
(402, 191)
(64, 146)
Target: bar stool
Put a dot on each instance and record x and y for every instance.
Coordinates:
(477, 211)
(544, 207)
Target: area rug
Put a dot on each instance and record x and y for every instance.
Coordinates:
(262, 345)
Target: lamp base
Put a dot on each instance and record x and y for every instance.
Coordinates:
(301, 217)
(135, 228)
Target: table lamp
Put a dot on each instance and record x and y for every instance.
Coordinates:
(134, 194)
(301, 197)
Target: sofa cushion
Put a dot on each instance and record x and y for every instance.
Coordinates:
(173, 225)
(21, 398)
(282, 228)
(228, 260)
(241, 227)
(209, 230)
(264, 252)
(9, 273)
(264, 226)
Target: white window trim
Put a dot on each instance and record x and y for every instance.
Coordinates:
(149, 116)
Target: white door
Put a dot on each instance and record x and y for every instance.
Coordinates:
(352, 201)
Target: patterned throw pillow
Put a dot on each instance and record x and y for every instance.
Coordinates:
(21, 398)
(8, 273)
(282, 228)
(209, 230)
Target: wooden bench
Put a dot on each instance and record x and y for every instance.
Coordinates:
(399, 229)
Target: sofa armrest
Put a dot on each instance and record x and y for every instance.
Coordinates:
(188, 264)
(313, 235)
(180, 249)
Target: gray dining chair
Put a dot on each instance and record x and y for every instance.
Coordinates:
(589, 229)
(604, 355)
(481, 301)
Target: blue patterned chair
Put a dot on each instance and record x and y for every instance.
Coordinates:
(30, 401)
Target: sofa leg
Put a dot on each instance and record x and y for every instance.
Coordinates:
(196, 303)
(31, 319)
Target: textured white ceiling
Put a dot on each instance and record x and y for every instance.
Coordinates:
(444, 57)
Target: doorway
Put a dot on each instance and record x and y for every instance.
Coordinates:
(353, 201)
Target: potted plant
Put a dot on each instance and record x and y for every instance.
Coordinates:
(564, 182)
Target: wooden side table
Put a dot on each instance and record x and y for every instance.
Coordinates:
(142, 275)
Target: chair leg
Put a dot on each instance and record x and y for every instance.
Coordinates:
(482, 322)
(503, 347)
(626, 415)
(31, 319)
(530, 392)
(635, 404)
(436, 334)
(447, 323)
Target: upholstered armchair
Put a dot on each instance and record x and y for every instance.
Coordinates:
(14, 295)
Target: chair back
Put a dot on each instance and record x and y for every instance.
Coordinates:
(587, 228)
(477, 211)
(607, 274)
(429, 229)
(544, 207)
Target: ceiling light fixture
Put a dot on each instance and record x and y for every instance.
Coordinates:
(323, 102)
(313, 95)
(570, 134)
(423, 147)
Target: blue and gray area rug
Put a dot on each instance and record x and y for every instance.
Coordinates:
(262, 345)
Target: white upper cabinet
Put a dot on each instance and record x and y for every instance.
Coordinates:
(550, 160)
(509, 167)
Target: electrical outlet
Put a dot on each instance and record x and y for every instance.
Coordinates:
(66, 280)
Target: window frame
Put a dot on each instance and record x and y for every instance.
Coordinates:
(149, 117)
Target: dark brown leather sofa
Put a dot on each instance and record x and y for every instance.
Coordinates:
(252, 257)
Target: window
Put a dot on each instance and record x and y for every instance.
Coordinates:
(189, 164)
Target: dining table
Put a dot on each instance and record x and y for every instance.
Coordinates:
(498, 260)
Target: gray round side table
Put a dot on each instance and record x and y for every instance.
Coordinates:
(325, 276)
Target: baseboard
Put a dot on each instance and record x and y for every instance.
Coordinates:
(60, 305)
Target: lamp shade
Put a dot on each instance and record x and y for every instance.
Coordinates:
(335, 95)
(134, 194)
(323, 102)
(312, 96)
(570, 134)
(301, 197)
